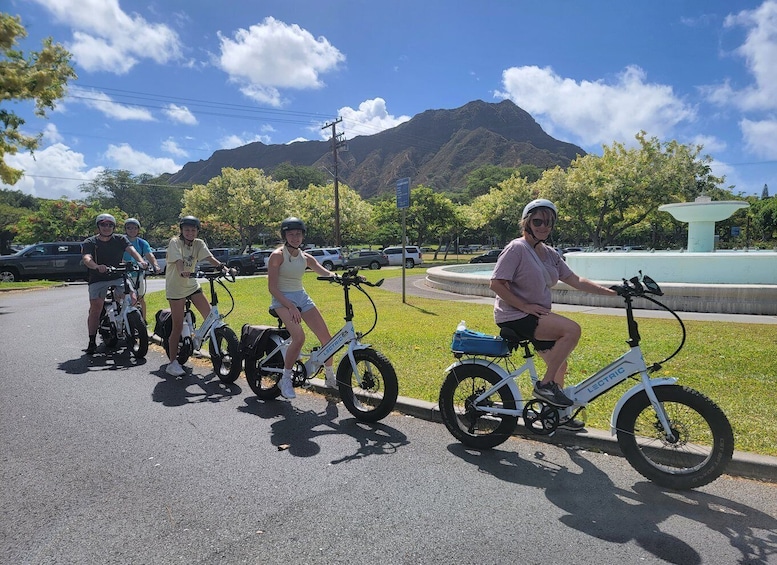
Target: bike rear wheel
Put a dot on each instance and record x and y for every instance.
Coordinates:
(137, 335)
(228, 364)
(471, 426)
(263, 382)
(377, 395)
(703, 444)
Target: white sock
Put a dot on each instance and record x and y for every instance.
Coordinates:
(329, 371)
(286, 374)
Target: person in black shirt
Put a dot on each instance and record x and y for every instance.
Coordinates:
(106, 249)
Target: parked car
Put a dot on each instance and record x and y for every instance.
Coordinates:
(366, 258)
(330, 257)
(487, 257)
(242, 263)
(161, 259)
(59, 260)
(413, 256)
(260, 259)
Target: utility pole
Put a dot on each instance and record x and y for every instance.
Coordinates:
(338, 140)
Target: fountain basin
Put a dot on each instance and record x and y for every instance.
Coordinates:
(701, 216)
(729, 298)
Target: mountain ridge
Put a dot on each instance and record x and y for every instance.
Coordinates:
(437, 148)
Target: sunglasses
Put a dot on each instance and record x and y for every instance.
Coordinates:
(539, 222)
(106, 225)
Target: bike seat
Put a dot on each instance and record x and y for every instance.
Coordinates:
(275, 315)
(513, 338)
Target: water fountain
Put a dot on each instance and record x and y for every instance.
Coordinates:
(699, 279)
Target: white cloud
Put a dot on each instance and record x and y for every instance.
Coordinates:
(171, 146)
(372, 117)
(105, 104)
(137, 162)
(53, 172)
(234, 140)
(760, 53)
(106, 38)
(710, 143)
(180, 114)
(596, 112)
(760, 137)
(273, 55)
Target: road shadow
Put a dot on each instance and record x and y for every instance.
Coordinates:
(596, 507)
(191, 388)
(106, 359)
(296, 431)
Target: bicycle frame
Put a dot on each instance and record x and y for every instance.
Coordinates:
(625, 367)
(206, 330)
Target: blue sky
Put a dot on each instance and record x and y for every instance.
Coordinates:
(164, 82)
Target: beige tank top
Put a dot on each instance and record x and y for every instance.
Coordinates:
(291, 271)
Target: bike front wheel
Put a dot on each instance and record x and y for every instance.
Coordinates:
(375, 397)
(226, 358)
(465, 421)
(137, 335)
(702, 445)
(262, 372)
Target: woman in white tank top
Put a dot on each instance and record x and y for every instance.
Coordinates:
(291, 302)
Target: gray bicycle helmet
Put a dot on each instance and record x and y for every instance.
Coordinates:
(292, 223)
(189, 221)
(133, 221)
(539, 203)
(105, 218)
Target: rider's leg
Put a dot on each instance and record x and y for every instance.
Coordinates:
(200, 302)
(297, 336)
(176, 315)
(316, 323)
(566, 334)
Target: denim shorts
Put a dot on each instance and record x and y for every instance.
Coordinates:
(99, 289)
(299, 298)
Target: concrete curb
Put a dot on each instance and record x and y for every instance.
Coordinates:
(743, 464)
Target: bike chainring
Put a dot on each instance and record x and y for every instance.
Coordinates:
(540, 417)
(299, 374)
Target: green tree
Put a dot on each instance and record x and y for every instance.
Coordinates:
(154, 202)
(430, 215)
(61, 220)
(14, 205)
(481, 180)
(40, 76)
(299, 176)
(240, 204)
(499, 211)
(319, 214)
(602, 198)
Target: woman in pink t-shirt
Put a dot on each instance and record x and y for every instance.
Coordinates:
(522, 280)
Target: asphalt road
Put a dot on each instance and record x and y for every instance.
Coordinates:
(104, 460)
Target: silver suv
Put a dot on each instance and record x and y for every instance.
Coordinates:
(329, 257)
(413, 256)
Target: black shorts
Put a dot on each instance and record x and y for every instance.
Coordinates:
(525, 328)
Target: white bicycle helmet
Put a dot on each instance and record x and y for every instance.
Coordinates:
(539, 203)
(133, 221)
(105, 218)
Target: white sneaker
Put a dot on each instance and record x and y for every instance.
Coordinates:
(287, 388)
(330, 381)
(175, 369)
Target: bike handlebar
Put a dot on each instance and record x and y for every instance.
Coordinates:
(350, 277)
(214, 275)
(637, 287)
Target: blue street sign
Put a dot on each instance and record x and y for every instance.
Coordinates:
(403, 193)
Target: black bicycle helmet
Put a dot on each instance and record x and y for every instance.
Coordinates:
(189, 221)
(292, 223)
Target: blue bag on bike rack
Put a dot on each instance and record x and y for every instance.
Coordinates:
(477, 343)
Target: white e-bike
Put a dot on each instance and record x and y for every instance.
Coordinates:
(673, 435)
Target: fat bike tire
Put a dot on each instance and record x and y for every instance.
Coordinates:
(471, 426)
(137, 335)
(262, 382)
(703, 444)
(185, 350)
(228, 364)
(376, 396)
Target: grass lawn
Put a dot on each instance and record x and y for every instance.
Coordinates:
(733, 364)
